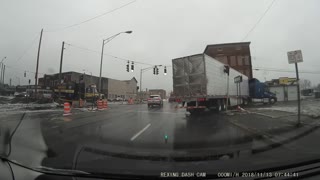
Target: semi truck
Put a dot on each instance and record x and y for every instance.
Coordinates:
(201, 82)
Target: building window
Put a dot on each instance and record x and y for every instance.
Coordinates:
(233, 61)
(240, 60)
(219, 49)
(246, 60)
(223, 59)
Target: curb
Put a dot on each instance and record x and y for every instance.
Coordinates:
(273, 142)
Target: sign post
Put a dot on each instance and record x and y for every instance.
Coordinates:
(294, 57)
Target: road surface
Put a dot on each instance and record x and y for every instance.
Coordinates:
(133, 136)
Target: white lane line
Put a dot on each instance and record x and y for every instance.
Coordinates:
(140, 132)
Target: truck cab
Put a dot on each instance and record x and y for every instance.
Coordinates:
(259, 90)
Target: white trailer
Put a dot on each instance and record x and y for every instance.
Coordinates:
(201, 82)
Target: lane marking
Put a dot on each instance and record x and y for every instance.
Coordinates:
(140, 132)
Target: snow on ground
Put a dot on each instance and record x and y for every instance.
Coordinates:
(22, 106)
(309, 108)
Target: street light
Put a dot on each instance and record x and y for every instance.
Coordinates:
(105, 41)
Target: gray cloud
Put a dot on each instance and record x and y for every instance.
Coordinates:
(163, 30)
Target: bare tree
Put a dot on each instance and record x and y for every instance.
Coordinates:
(305, 83)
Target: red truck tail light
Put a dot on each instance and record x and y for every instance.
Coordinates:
(201, 99)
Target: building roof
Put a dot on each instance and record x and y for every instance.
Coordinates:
(226, 44)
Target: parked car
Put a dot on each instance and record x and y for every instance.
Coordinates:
(155, 100)
(21, 94)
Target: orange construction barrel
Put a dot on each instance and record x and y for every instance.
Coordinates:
(66, 109)
(105, 104)
(100, 105)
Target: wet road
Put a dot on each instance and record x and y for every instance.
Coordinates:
(129, 136)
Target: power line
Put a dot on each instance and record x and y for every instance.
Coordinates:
(283, 70)
(90, 19)
(256, 24)
(27, 49)
(98, 52)
(11, 67)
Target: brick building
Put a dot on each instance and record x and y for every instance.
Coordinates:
(236, 55)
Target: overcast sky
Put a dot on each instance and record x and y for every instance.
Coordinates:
(162, 30)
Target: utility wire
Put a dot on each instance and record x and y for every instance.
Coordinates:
(90, 19)
(120, 58)
(260, 19)
(282, 70)
(28, 48)
(22, 70)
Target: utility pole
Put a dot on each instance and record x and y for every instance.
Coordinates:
(60, 71)
(36, 78)
(140, 86)
(101, 69)
(4, 70)
(1, 64)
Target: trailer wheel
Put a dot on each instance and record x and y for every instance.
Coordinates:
(272, 100)
(223, 105)
(245, 101)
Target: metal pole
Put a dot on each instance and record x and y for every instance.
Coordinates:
(298, 89)
(10, 81)
(4, 71)
(1, 66)
(101, 68)
(84, 83)
(240, 91)
(140, 85)
(60, 71)
(36, 78)
(227, 93)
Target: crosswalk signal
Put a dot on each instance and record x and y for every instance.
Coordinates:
(132, 67)
(226, 69)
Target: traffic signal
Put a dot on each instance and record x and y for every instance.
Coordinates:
(157, 71)
(154, 70)
(81, 78)
(165, 70)
(128, 67)
(25, 74)
(226, 69)
(132, 67)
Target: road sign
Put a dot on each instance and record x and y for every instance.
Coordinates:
(295, 56)
(238, 79)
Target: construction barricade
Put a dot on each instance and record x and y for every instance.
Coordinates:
(66, 109)
(105, 104)
(100, 105)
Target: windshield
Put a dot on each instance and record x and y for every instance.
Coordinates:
(163, 88)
